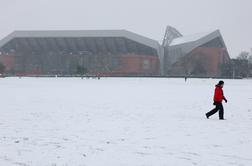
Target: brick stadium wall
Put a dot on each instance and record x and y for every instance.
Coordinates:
(213, 58)
(209, 60)
(129, 65)
(132, 64)
(8, 61)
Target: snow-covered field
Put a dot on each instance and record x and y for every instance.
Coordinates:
(123, 122)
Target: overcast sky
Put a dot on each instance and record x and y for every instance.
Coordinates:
(145, 17)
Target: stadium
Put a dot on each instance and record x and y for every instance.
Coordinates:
(200, 54)
(112, 53)
(115, 52)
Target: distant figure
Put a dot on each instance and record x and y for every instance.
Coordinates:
(218, 98)
(185, 78)
(98, 76)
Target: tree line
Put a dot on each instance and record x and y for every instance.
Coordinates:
(241, 66)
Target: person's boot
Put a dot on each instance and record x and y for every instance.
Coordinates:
(207, 116)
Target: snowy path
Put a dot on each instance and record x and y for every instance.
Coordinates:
(123, 122)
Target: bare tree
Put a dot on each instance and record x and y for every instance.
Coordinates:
(2, 68)
(244, 55)
(250, 56)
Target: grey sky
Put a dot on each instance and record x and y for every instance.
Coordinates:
(146, 17)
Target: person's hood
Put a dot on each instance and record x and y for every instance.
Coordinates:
(218, 86)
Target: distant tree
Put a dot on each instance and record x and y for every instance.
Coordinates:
(241, 67)
(245, 63)
(197, 64)
(250, 57)
(2, 68)
(227, 69)
(199, 69)
(244, 55)
(81, 70)
(250, 63)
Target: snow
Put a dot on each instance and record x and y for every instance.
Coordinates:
(189, 38)
(123, 122)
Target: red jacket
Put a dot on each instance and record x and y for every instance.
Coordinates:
(218, 94)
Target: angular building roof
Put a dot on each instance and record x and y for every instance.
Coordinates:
(189, 38)
(81, 33)
(188, 43)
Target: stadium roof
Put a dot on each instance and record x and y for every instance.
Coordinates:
(81, 33)
(187, 39)
(188, 43)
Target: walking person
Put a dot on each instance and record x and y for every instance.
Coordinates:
(218, 98)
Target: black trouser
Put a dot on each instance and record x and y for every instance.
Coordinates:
(219, 108)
